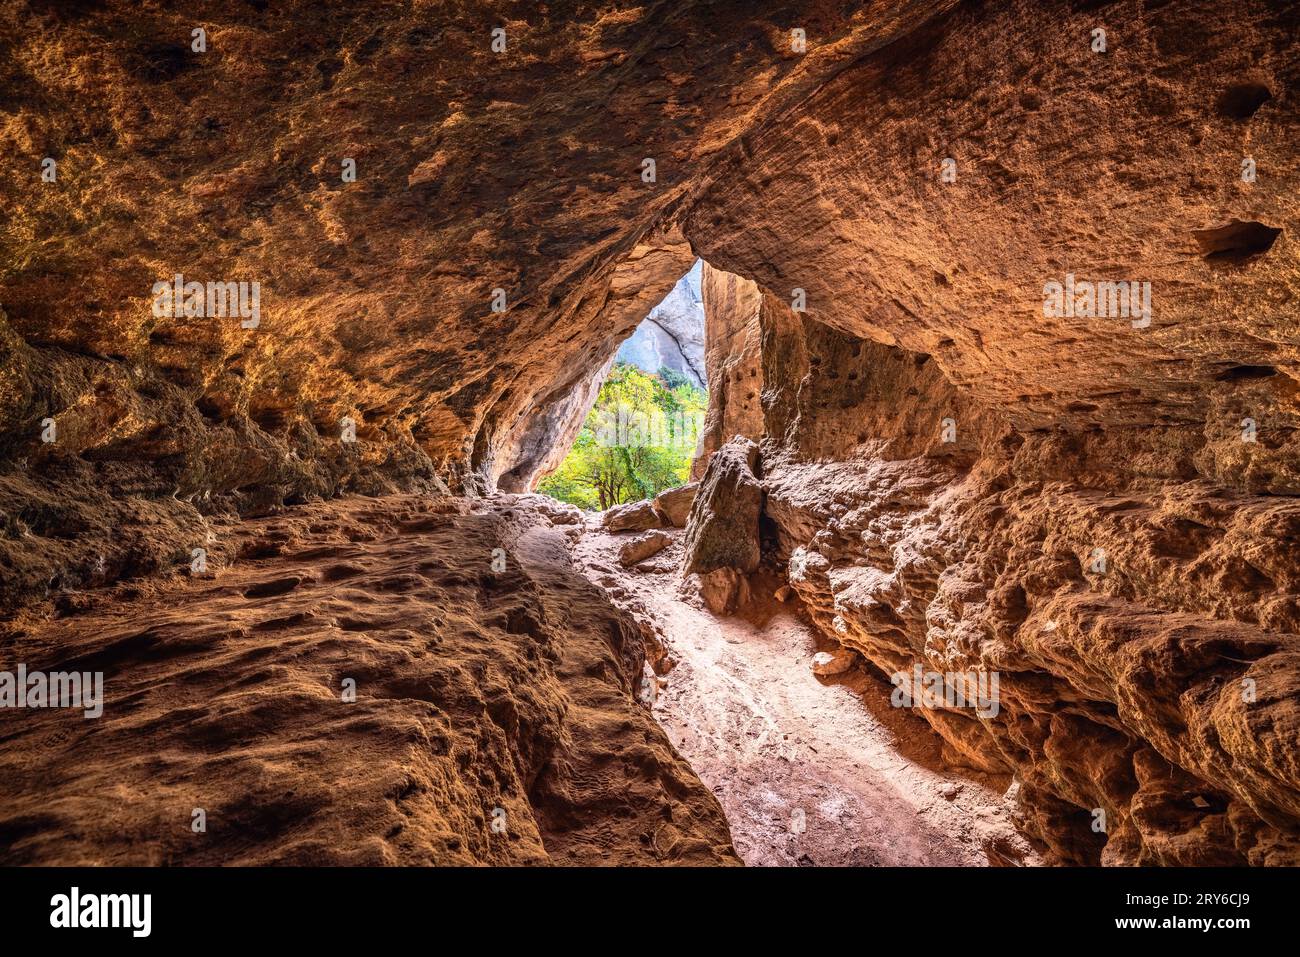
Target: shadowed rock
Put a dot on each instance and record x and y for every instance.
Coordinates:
(722, 529)
(493, 719)
(675, 504)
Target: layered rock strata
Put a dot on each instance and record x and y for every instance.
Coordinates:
(1142, 629)
(1098, 504)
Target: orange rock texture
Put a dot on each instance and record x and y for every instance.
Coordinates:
(733, 356)
(1100, 504)
(1089, 506)
(492, 717)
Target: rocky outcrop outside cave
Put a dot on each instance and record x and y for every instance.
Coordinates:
(950, 474)
(672, 335)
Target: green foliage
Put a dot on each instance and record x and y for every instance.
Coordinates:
(637, 440)
(672, 378)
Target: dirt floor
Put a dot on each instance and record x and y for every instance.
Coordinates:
(809, 770)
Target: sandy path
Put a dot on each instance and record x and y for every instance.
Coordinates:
(809, 770)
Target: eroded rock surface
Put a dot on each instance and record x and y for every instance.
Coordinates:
(722, 528)
(475, 171)
(734, 360)
(812, 770)
(674, 504)
(1083, 505)
(632, 517)
(494, 720)
(1143, 627)
(1100, 509)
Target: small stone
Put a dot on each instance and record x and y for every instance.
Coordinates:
(641, 548)
(724, 590)
(633, 517)
(834, 662)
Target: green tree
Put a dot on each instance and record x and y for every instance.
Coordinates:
(672, 379)
(637, 440)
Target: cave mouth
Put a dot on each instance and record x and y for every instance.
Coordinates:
(1235, 243)
(641, 433)
(1242, 100)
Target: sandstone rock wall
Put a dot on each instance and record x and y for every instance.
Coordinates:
(846, 200)
(523, 172)
(475, 171)
(1108, 527)
(377, 292)
(1123, 691)
(732, 357)
(493, 717)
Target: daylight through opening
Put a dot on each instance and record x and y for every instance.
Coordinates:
(643, 429)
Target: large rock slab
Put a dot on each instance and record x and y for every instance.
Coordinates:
(641, 548)
(632, 517)
(722, 529)
(675, 504)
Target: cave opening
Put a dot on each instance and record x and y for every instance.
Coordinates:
(641, 430)
(1065, 541)
(756, 670)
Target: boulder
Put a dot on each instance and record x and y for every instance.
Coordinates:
(642, 547)
(674, 504)
(722, 530)
(632, 517)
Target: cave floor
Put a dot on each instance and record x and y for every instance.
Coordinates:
(810, 771)
(370, 681)
(491, 681)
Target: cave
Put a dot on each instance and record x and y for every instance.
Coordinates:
(953, 577)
